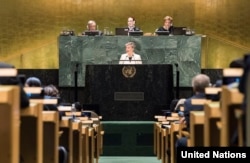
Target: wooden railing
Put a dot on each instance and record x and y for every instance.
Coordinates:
(214, 126)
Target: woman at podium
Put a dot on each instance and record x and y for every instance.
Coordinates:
(130, 57)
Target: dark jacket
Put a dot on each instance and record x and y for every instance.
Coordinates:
(134, 29)
(189, 107)
(171, 29)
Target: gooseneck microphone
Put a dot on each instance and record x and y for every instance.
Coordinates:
(76, 79)
(177, 81)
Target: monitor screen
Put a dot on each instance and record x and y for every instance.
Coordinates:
(135, 33)
(121, 31)
(179, 30)
(91, 33)
(162, 33)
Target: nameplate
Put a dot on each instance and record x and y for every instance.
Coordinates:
(129, 96)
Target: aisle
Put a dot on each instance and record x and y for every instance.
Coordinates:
(129, 159)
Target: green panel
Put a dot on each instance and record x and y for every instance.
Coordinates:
(78, 51)
(128, 144)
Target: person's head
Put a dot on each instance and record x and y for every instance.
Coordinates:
(130, 46)
(33, 82)
(78, 106)
(91, 26)
(51, 90)
(200, 82)
(168, 21)
(131, 22)
(237, 63)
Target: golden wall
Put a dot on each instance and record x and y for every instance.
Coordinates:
(29, 29)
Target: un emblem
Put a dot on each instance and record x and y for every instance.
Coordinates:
(128, 71)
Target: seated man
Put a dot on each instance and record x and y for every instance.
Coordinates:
(131, 25)
(92, 27)
(199, 83)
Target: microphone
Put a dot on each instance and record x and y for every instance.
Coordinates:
(130, 58)
(76, 68)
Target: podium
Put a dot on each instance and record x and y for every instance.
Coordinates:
(129, 92)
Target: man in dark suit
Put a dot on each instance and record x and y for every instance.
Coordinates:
(131, 25)
(24, 100)
(199, 83)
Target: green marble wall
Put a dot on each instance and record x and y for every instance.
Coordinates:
(82, 50)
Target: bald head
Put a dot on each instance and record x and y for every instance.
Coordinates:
(91, 25)
(200, 82)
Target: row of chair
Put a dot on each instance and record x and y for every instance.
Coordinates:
(212, 127)
(34, 135)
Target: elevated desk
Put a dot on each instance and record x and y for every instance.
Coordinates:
(75, 52)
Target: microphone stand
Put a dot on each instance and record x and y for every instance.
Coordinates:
(130, 58)
(177, 81)
(76, 79)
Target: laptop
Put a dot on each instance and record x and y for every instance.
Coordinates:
(121, 31)
(162, 33)
(179, 30)
(135, 33)
(91, 33)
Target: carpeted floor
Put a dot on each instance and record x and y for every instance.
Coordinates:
(128, 159)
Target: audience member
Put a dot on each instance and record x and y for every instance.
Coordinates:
(78, 106)
(24, 99)
(244, 63)
(51, 92)
(33, 82)
(167, 25)
(130, 57)
(237, 63)
(199, 83)
(244, 90)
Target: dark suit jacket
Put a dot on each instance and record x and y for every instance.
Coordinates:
(24, 100)
(171, 29)
(134, 29)
(189, 107)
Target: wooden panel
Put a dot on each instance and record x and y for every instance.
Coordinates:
(211, 131)
(196, 120)
(9, 124)
(228, 97)
(32, 133)
(50, 136)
